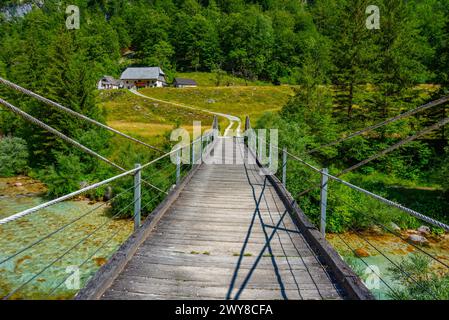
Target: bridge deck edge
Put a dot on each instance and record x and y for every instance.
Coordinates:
(106, 275)
(340, 270)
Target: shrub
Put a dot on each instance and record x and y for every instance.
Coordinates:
(64, 177)
(13, 156)
(417, 281)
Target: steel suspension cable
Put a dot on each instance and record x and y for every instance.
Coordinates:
(72, 112)
(67, 139)
(78, 192)
(383, 123)
(46, 127)
(397, 145)
(63, 227)
(67, 251)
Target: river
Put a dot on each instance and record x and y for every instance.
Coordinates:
(50, 269)
(377, 253)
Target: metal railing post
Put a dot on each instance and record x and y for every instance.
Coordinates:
(323, 200)
(284, 167)
(193, 153)
(270, 150)
(201, 148)
(178, 166)
(137, 197)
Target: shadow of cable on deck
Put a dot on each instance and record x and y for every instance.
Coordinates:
(266, 246)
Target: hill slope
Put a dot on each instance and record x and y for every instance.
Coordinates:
(149, 119)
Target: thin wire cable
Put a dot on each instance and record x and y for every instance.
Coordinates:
(383, 123)
(85, 261)
(46, 127)
(396, 146)
(97, 250)
(83, 190)
(408, 275)
(63, 227)
(375, 221)
(72, 112)
(65, 138)
(68, 251)
(375, 196)
(368, 266)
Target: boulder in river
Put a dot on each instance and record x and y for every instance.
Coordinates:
(395, 227)
(417, 239)
(361, 253)
(424, 230)
(18, 184)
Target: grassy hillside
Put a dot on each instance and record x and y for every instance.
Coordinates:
(238, 101)
(145, 118)
(149, 119)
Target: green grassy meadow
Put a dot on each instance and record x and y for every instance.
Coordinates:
(149, 120)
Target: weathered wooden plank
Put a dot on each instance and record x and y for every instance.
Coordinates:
(147, 286)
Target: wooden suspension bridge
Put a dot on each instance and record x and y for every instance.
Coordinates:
(212, 239)
(229, 229)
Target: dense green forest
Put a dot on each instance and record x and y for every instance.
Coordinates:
(348, 76)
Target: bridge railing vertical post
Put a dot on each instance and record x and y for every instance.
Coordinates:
(323, 200)
(284, 167)
(137, 197)
(193, 153)
(270, 150)
(201, 148)
(178, 166)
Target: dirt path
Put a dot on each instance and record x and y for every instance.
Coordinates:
(232, 119)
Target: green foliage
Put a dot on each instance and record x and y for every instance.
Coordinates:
(13, 156)
(344, 71)
(417, 281)
(64, 177)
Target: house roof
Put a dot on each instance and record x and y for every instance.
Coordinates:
(110, 80)
(185, 82)
(145, 73)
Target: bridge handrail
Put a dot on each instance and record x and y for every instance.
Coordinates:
(391, 203)
(95, 185)
(72, 112)
(375, 196)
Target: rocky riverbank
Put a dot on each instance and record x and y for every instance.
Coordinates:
(381, 250)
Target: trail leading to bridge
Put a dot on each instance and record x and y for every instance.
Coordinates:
(232, 119)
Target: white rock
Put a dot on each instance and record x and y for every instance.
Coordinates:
(417, 239)
(394, 226)
(18, 184)
(424, 230)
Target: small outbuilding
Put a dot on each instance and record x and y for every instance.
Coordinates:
(184, 83)
(108, 82)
